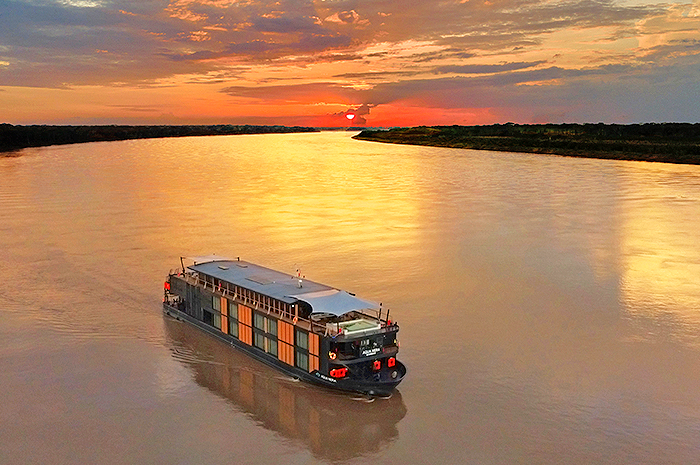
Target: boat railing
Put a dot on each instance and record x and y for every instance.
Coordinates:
(225, 291)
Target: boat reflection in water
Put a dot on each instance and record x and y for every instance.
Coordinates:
(333, 425)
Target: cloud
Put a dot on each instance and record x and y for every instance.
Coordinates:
(376, 75)
(346, 17)
(301, 93)
(484, 69)
(142, 37)
(350, 53)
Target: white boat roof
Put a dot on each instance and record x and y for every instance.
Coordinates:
(281, 286)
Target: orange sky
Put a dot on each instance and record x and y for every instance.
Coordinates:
(393, 63)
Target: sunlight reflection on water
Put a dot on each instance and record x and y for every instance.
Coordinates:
(548, 306)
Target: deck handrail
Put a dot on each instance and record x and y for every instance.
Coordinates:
(314, 327)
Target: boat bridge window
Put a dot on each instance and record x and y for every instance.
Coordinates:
(358, 348)
(345, 350)
(371, 342)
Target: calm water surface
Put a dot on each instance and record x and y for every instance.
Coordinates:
(549, 307)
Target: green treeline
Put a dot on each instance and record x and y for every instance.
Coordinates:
(662, 142)
(17, 137)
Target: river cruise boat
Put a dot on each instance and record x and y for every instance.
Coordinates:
(308, 330)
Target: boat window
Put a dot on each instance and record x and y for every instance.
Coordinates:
(232, 309)
(259, 341)
(302, 339)
(272, 326)
(302, 360)
(216, 320)
(216, 303)
(345, 349)
(259, 321)
(233, 327)
(372, 342)
(272, 346)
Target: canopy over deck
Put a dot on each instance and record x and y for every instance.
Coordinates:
(334, 302)
(324, 300)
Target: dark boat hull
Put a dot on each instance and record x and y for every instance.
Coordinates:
(375, 387)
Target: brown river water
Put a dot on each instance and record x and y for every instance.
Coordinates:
(549, 306)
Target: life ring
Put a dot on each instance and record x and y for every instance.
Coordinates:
(331, 355)
(296, 318)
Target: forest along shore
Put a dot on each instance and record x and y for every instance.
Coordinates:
(18, 137)
(660, 142)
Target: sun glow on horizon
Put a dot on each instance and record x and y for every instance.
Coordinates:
(211, 63)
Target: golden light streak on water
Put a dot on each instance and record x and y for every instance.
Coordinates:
(660, 253)
(548, 306)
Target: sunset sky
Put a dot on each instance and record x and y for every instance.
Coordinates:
(392, 63)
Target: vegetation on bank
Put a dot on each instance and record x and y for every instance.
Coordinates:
(17, 137)
(661, 142)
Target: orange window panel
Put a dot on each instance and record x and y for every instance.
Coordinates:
(282, 331)
(244, 314)
(285, 330)
(286, 353)
(245, 333)
(224, 315)
(313, 343)
(290, 355)
(313, 363)
(280, 350)
(290, 334)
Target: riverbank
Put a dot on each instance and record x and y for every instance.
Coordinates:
(19, 137)
(659, 142)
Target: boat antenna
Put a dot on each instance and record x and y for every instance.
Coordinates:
(183, 265)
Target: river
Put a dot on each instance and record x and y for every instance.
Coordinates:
(549, 306)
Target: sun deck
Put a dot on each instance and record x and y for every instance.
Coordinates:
(282, 294)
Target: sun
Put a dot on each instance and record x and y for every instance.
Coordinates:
(350, 116)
